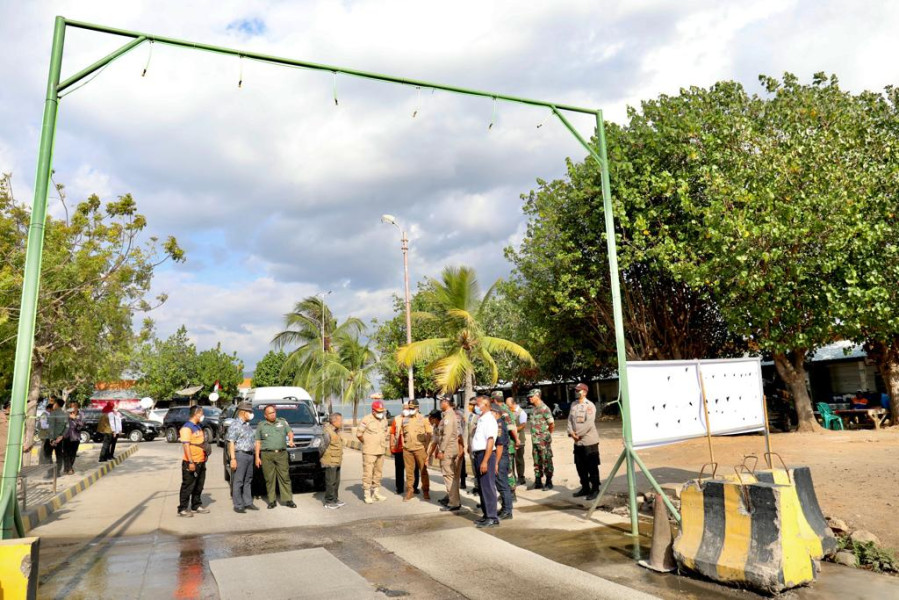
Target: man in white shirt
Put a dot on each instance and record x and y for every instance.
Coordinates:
(484, 461)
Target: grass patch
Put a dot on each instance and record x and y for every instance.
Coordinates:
(870, 555)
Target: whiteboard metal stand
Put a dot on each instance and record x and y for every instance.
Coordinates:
(628, 454)
(708, 428)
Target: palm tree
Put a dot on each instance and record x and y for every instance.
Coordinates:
(463, 343)
(312, 351)
(352, 367)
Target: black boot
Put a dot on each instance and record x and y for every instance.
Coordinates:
(549, 483)
(581, 492)
(538, 484)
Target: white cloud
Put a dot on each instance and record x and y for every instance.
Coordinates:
(276, 192)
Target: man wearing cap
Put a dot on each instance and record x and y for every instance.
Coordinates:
(521, 423)
(503, 461)
(241, 441)
(372, 432)
(448, 441)
(508, 418)
(416, 433)
(542, 426)
(483, 455)
(582, 429)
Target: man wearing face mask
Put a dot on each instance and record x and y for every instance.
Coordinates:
(241, 441)
(447, 452)
(193, 464)
(483, 447)
(416, 436)
(372, 432)
(582, 429)
(396, 448)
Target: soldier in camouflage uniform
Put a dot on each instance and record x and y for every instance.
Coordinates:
(509, 418)
(542, 425)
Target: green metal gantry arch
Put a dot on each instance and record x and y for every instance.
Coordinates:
(9, 508)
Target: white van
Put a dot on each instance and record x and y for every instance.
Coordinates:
(261, 395)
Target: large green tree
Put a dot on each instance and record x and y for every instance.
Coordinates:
(462, 341)
(166, 366)
(216, 365)
(96, 274)
(270, 370)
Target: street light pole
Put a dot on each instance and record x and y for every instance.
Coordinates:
(390, 219)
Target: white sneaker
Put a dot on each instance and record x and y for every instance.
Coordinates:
(339, 504)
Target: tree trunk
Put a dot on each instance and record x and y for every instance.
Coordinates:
(469, 389)
(791, 368)
(34, 394)
(886, 356)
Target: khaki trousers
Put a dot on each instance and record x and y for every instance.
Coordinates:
(372, 466)
(451, 467)
(416, 458)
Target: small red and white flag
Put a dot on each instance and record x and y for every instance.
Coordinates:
(217, 386)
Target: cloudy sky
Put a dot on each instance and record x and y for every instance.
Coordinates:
(276, 193)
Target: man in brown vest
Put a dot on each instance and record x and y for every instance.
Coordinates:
(332, 456)
(372, 432)
(416, 433)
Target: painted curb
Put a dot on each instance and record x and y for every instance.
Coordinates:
(40, 513)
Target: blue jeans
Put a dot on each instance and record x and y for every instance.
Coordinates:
(487, 484)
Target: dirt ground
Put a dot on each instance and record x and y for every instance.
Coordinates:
(856, 473)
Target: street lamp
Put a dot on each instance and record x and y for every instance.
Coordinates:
(321, 296)
(391, 220)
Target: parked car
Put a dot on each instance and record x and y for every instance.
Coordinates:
(176, 417)
(134, 427)
(307, 436)
(267, 395)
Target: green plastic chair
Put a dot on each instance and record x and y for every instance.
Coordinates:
(828, 416)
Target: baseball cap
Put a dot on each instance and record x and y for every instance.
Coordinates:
(497, 395)
(414, 403)
(377, 406)
(533, 392)
(581, 386)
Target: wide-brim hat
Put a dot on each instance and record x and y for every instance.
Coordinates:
(245, 406)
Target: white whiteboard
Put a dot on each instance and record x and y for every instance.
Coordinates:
(734, 393)
(666, 399)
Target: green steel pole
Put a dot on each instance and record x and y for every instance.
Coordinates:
(290, 62)
(100, 63)
(619, 320)
(30, 289)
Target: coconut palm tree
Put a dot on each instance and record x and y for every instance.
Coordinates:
(463, 343)
(311, 350)
(352, 367)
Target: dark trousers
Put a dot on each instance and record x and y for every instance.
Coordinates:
(519, 459)
(242, 480)
(69, 452)
(503, 488)
(586, 461)
(332, 484)
(400, 473)
(107, 451)
(463, 473)
(276, 471)
(486, 484)
(50, 450)
(191, 486)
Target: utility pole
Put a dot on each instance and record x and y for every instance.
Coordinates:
(391, 220)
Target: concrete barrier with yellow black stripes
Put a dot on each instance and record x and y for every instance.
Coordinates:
(19, 568)
(813, 522)
(745, 534)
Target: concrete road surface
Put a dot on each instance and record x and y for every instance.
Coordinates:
(122, 539)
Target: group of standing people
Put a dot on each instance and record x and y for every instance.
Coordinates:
(492, 435)
(60, 430)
